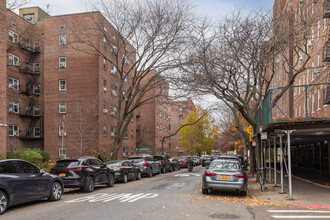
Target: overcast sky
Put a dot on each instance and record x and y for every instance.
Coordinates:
(213, 8)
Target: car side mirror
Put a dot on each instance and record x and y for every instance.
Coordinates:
(41, 172)
(103, 166)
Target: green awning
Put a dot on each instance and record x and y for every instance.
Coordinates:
(143, 150)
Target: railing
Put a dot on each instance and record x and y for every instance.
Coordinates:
(297, 104)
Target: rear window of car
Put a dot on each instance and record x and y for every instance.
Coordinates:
(116, 164)
(136, 159)
(225, 165)
(66, 164)
(158, 158)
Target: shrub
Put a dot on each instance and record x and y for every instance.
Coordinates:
(33, 156)
(15, 154)
(45, 156)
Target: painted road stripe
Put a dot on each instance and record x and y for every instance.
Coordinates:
(122, 197)
(298, 211)
(312, 205)
(300, 216)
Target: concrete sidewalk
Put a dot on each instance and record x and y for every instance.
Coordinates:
(305, 193)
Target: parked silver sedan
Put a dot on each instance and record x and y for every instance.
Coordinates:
(225, 175)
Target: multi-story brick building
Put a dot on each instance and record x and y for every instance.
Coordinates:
(153, 120)
(48, 76)
(179, 111)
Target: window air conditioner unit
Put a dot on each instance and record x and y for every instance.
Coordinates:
(125, 154)
(11, 110)
(113, 134)
(62, 66)
(15, 133)
(105, 89)
(310, 43)
(11, 87)
(105, 110)
(301, 56)
(113, 113)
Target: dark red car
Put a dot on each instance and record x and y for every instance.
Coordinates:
(183, 163)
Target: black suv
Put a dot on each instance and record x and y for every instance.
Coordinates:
(164, 163)
(83, 173)
(146, 163)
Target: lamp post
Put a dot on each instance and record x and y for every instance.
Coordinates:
(4, 144)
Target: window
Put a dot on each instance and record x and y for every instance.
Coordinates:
(13, 130)
(180, 108)
(125, 151)
(8, 167)
(13, 60)
(318, 100)
(125, 58)
(104, 64)
(105, 86)
(324, 24)
(132, 134)
(180, 117)
(36, 89)
(36, 110)
(36, 67)
(62, 152)
(36, 131)
(14, 107)
(164, 127)
(62, 85)
(60, 127)
(104, 130)
(126, 134)
(105, 110)
(62, 27)
(299, 83)
(312, 70)
(113, 131)
(13, 37)
(27, 167)
(105, 41)
(113, 70)
(62, 107)
(113, 48)
(29, 18)
(13, 83)
(299, 110)
(318, 29)
(113, 111)
(125, 76)
(307, 77)
(169, 127)
(160, 126)
(62, 39)
(313, 102)
(62, 62)
(114, 91)
(160, 114)
(36, 46)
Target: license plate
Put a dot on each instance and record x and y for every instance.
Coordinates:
(224, 177)
(62, 174)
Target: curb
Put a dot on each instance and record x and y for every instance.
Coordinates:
(311, 182)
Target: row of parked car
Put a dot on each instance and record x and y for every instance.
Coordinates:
(22, 181)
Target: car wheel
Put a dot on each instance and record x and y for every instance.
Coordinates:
(163, 169)
(205, 191)
(111, 182)
(138, 176)
(179, 168)
(125, 178)
(171, 168)
(56, 192)
(90, 184)
(3, 202)
(243, 193)
(150, 173)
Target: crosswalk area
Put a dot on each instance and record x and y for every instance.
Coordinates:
(299, 214)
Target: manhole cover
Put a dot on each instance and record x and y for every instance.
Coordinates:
(224, 216)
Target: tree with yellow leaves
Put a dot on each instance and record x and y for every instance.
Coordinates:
(200, 136)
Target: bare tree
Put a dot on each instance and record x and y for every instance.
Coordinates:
(83, 132)
(235, 59)
(148, 38)
(14, 4)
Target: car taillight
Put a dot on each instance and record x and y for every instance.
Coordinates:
(51, 170)
(207, 173)
(160, 162)
(144, 164)
(240, 175)
(119, 169)
(75, 169)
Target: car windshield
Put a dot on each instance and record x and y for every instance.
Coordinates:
(225, 165)
(136, 159)
(158, 158)
(66, 164)
(114, 164)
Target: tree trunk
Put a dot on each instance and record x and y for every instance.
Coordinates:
(258, 156)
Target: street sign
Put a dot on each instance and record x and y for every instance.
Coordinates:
(263, 135)
(249, 129)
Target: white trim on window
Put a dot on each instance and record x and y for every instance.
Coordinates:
(62, 107)
(62, 85)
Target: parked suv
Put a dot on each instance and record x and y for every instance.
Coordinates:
(21, 182)
(83, 173)
(146, 163)
(165, 164)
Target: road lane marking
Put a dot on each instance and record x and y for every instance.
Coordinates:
(300, 216)
(299, 211)
(122, 197)
(187, 174)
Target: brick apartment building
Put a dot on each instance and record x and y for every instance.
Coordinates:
(45, 78)
(179, 111)
(154, 121)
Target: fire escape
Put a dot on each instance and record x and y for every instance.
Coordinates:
(31, 112)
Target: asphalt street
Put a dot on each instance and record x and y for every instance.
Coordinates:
(175, 195)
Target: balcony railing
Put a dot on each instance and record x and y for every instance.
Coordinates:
(307, 105)
(326, 9)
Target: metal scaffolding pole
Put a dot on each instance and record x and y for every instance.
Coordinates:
(288, 132)
(275, 158)
(269, 163)
(281, 162)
